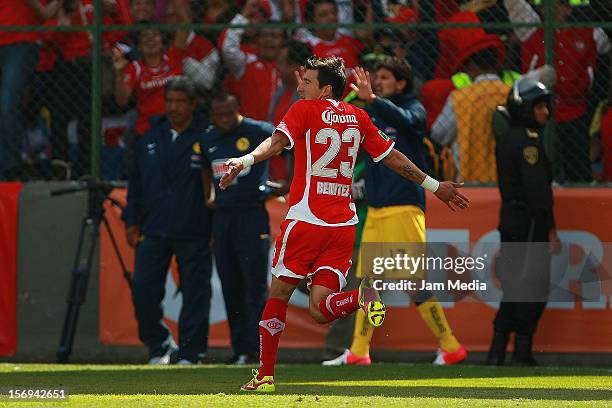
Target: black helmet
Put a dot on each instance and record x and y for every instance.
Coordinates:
(524, 95)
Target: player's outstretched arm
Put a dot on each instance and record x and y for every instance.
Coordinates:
(268, 148)
(446, 191)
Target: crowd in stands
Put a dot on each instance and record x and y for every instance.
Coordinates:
(461, 74)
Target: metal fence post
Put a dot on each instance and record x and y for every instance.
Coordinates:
(96, 94)
(550, 137)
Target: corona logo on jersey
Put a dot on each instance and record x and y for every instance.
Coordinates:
(329, 117)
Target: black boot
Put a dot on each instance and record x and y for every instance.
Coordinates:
(523, 355)
(497, 352)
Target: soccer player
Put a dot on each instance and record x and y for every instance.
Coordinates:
(316, 239)
(396, 210)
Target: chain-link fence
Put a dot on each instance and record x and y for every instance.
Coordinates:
(82, 80)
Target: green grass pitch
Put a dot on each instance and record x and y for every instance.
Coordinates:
(305, 385)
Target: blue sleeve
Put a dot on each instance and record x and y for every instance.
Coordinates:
(132, 215)
(397, 116)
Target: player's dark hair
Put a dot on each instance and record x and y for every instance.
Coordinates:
(181, 83)
(310, 8)
(297, 52)
(330, 71)
(400, 68)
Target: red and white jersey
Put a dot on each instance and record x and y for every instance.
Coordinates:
(148, 84)
(343, 46)
(326, 136)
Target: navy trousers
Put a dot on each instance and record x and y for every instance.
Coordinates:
(194, 261)
(241, 243)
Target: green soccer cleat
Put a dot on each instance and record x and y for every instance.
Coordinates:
(370, 302)
(266, 384)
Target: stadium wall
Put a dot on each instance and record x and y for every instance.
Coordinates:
(47, 240)
(582, 216)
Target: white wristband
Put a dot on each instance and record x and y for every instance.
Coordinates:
(430, 184)
(247, 160)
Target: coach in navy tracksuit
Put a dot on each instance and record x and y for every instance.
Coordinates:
(241, 231)
(166, 215)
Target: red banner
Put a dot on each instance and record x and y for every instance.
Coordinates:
(582, 216)
(9, 205)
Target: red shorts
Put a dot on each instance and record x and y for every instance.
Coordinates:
(321, 254)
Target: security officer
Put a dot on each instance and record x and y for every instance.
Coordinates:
(165, 216)
(526, 217)
(241, 230)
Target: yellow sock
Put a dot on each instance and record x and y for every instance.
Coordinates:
(362, 335)
(433, 314)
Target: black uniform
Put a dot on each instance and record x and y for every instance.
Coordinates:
(241, 232)
(526, 216)
(166, 199)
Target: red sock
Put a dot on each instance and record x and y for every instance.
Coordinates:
(339, 305)
(271, 327)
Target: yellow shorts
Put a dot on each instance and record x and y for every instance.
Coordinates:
(401, 224)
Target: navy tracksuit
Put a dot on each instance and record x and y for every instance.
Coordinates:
(241, 230)
(402, 118)
(166, 199)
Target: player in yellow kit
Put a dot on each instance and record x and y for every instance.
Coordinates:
(396, 209)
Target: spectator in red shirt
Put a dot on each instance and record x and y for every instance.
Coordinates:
(202, 59)
(142, 10)
(217, 12)
(293, 55)
(328, 42)
(576, 52)
(254, 78)
(129, 12)
(18, 58)
(146, 78)
(72, 77)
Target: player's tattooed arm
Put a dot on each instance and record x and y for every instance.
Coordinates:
(410, 173)
(446, 191)
(402, 165)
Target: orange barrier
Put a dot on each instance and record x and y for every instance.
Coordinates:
(582, 214)
(9, 204)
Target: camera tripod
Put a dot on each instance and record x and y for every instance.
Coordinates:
(97, 194)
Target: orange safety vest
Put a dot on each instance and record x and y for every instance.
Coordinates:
(474, 107)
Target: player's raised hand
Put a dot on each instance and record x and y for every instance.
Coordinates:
(234, 167)
(447, 193)
(362, 85)
(299, 75)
